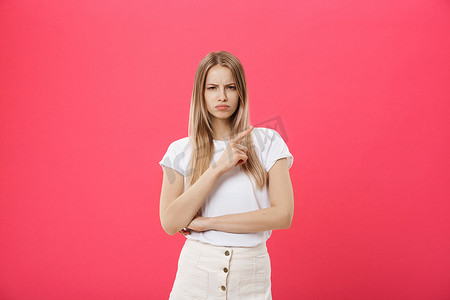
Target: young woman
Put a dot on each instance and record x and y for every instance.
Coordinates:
(225, 187)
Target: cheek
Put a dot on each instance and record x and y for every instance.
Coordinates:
(236, 100)
(208, 100)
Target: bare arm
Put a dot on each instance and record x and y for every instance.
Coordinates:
(179, 213)
(277, 216)
(177, 209)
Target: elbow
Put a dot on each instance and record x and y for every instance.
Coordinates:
(166, 224)
(170, 225)
(286, 221)
(283, 219)
(170, 230)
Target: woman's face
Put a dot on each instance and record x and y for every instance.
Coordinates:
(220, 89)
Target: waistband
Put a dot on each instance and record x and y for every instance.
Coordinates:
(259, 249)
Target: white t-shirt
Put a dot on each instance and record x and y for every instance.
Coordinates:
(234, 192)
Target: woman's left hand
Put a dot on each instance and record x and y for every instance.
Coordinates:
(185, 231)
(199, 224)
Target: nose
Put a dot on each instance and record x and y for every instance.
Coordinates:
(222, 95)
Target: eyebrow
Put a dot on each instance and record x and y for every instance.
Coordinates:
(216, 84)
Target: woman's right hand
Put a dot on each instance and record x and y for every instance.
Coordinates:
(235, 154)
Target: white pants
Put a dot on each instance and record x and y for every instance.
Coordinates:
(215, 272)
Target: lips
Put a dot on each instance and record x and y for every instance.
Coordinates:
(222, 106)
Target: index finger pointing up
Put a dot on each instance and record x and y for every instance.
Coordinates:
(241, 135)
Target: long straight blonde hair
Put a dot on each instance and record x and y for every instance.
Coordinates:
(200, 128)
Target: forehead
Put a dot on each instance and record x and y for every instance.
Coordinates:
(219, 74)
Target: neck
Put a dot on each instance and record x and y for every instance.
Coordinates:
(222, 129)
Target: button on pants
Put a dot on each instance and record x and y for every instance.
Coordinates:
(216, 272)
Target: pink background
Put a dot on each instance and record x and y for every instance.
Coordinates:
(93, 92)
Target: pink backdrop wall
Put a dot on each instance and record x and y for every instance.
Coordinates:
(92, 93)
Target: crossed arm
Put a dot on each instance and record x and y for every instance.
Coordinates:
(277, 216)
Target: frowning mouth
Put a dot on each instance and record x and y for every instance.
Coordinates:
(222, 107)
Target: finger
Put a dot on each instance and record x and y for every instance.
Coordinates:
(185, 232)
(242, 159)
(240, 153)
(241, 162)
(241, 147)
(241, 135)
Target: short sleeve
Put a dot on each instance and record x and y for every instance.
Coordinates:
(172, 158)
(276, 149)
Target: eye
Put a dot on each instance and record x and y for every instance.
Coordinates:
(213, 87)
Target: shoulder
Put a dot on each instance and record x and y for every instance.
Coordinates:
(177, 149)
(264, 136)
(265, 130)
(175, 155)
(180, 144)
(271, 146)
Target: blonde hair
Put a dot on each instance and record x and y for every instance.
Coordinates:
(200, 129)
